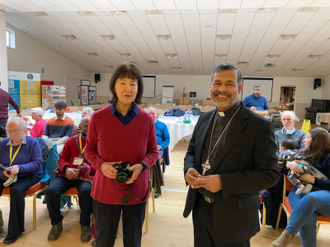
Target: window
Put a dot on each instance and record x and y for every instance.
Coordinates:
(10, 38)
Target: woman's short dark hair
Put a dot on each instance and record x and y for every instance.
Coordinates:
(130, 71)
(319, 146)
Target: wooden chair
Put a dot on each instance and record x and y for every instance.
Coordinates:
(152, 196)
(34, 191)
(261, 198)
(288, 210)
(73, 191)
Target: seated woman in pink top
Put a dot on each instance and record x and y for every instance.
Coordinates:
(40, 125)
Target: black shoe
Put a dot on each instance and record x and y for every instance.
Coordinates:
(94, 243)
(156, 195)
(10, 240)
(55, 231)
(86, 233)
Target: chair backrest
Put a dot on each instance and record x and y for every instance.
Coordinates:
(287, 186)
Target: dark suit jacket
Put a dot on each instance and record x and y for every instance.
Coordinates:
(247, 164)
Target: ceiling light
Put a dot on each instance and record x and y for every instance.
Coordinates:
(85, 13)
(297, 70)
(69, 37)
(153, 62)
(243, 63)
(172, 55)
(121, 12)
(259, 70)
(287, 36)
(220, 56)
(153, 12)
(314, 56)
(223, 36)
(164, 37)
(177, 68)
(39, 13)
(125, 54)
(272, 56)
(227, 11)
(108, 37)
(93, 54)
(307, 9)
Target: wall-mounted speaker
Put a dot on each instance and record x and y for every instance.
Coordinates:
(97, 78)
(317, 83)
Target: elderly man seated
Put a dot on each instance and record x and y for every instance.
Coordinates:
(163, 140)
(85, 112)
(39, 127)
(73, 171)
(21, 160)
(59, 128)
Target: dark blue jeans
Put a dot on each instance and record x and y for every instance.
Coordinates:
(59, 185)
(17, 204)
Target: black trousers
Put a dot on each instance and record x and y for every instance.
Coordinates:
(107, 220)
(3, 122)
(59, 185)
(17, 204)
(203, 226)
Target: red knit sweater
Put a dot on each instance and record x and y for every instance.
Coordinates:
(109, 140)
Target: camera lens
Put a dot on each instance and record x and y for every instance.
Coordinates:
(122, 177)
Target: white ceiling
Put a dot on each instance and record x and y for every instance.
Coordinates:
(254, 26)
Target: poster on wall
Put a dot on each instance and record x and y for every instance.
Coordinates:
(52, 93)
(30, 90)
(13, 88)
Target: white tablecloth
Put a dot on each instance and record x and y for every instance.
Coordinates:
(178, 130)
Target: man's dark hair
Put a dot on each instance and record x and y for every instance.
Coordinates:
(257, 85)
(289, 144)
(130, 71)
(60, 104)
(226, 67)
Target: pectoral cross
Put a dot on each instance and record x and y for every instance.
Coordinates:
(206, 166)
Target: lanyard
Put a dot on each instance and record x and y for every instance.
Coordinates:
(82, 150)
(11, 156)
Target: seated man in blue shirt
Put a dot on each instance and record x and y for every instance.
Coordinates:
(163, 139)
(255, 101)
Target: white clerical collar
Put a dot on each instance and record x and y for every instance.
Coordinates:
(221, 113)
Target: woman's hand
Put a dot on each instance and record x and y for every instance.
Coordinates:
(308, 178)
(293, 166)
(136, 169)
(13, 170)
(108, 170)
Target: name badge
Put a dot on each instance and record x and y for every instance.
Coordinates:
(78, 161)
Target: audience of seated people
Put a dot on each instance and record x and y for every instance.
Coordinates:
(74, 170)
(40, 124)
(21, 156)
(163, 140)
(61, 127)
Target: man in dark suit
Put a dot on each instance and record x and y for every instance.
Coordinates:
(231, 156)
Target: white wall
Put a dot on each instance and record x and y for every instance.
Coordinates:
(30, 56)
(326, 87)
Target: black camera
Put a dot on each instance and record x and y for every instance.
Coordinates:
(123, 172)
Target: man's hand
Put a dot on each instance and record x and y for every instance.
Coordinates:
(211, 183)
(159, 147)
(108, 170)
(71, 173)
(191, 177)
(18, 115)
(253, 108)
(13, 170)
(136, 169)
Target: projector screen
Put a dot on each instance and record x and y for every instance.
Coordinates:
(266, 87)
(149, 86)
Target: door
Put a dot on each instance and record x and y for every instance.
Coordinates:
(288, 97)
(72, 91)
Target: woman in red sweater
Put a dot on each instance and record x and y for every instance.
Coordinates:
(120, 134)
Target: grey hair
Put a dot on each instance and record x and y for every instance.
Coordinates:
(20, 121)
(38, 111)
(291, 113)
(257, 85)
(88, 109)
(152, 108)
(226, 67)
